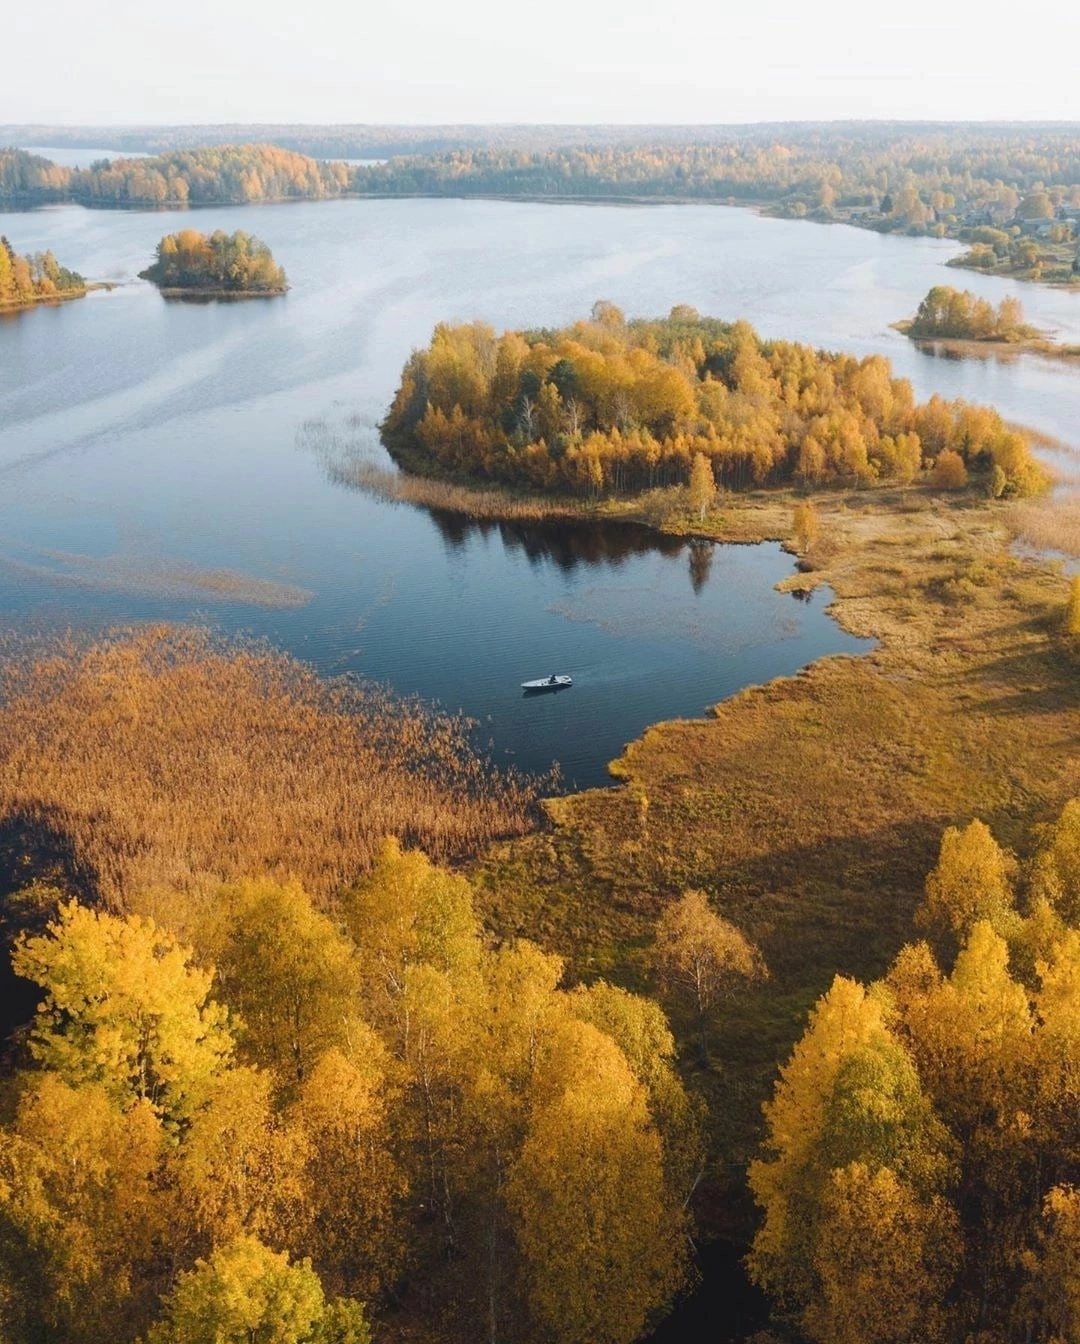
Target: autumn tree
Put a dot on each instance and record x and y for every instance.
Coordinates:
(884, 1260)
(702, 489)
(83, 1211)
(354, 1182)
(1058, 1265)
(849, 1094)
(246, 1292)
(599, 1232)
(805, 525)
(971, 881)
(950, 471)
(701, 957)
(125, 1008)
(292, 975)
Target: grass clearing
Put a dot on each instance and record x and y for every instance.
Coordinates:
(812, 808)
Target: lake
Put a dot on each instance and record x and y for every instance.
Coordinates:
(167, 461)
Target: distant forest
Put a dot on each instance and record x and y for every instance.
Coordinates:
(1012, 192)
(383, 142)
(226, 175)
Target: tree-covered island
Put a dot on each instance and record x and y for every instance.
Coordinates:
(615, 407)
(959, 322)
(26, 281)
(219, 264)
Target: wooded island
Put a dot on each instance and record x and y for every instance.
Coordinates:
(961, 323)
(218, 264)
(610, 406)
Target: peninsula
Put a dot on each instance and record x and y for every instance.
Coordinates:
(30, 280)
(215, 265)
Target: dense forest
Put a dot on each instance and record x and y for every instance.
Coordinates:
(236, 263)
(221, 175)
(945, 181)
(826, 140)
(249, 1102)
(923, 1152)
(25, 281)
(961, 315)
(614, 406)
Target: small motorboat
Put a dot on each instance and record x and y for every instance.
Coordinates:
(552, 683)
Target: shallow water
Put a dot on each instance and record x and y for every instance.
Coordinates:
(154, 464)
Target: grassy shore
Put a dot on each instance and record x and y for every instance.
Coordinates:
(811, 808)
(45, 300)
(991, 347)
(197, 294)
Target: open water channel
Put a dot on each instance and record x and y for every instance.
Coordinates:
(163, 460)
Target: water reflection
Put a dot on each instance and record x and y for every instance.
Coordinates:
(701, 558)
(566, 545)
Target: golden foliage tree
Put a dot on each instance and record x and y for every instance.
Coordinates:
(125, 1008)
(971, 881)
(599, 1234)
(701, 957)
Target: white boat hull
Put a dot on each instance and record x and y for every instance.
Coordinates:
(547, 684)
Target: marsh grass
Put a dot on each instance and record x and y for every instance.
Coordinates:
(1049, 524)
(811, 808)
(162, 759)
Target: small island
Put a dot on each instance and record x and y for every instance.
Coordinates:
(218, 265)
(955, 322)
(31, 280)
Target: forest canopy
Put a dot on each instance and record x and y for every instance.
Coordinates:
(919, 1177)
(27, 280)
(218, 262)
(220, 175)
(610, 406)
(249, 1124)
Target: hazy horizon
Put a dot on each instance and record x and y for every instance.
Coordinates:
(483, 63)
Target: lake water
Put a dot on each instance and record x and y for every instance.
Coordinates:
(147, 447)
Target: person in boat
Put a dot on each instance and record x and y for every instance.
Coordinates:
(552, 679)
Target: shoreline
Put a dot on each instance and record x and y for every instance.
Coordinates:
(48, 300)
(991, 347)
(196, 294)
(811, 807)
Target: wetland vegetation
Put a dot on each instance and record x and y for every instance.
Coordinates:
(321, 1018)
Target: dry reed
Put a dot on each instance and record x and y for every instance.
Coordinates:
(162, 759)
(1051, 524)
(347, 458)
(498, 505)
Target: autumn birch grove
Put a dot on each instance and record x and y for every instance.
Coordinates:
(611, 406)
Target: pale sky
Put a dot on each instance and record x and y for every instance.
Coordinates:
(422, 61)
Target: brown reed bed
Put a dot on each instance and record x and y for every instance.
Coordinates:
(160, 758)
(500, 505)
(1051, 524)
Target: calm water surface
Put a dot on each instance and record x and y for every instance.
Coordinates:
(146, 447)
